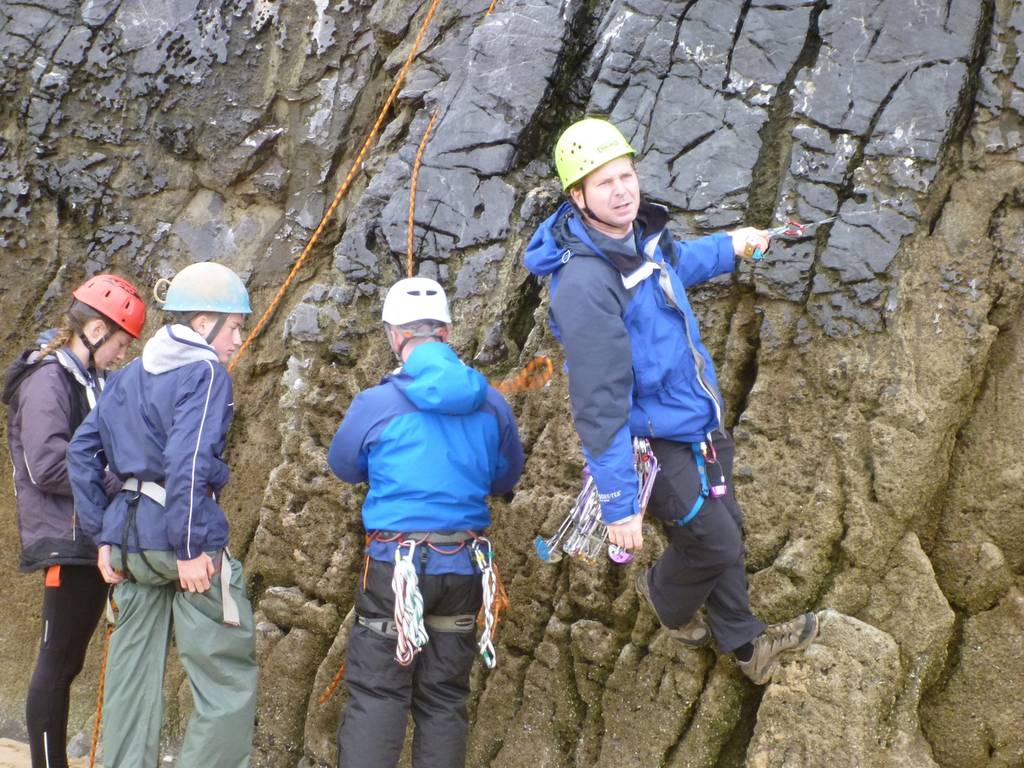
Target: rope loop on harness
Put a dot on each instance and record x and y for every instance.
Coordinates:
(486, 565)
(412, 633)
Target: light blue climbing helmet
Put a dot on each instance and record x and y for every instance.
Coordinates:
(204, 287)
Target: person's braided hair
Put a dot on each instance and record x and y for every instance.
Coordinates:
(74, 319)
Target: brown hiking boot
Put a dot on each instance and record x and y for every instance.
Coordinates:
(694, 634)
(793, 635)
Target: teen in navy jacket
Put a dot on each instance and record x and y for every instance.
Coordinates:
(163, 539)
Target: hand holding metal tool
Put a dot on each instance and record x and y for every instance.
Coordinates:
(583, 533)
(791, 228)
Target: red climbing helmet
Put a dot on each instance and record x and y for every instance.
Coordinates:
(116, 299)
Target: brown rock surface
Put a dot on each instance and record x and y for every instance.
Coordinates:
(873, 369)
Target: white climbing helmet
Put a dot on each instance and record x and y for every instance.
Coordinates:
(415, 298)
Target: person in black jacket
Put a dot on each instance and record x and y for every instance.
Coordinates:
(49, 390)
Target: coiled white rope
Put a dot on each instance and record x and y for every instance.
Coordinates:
(412, 633)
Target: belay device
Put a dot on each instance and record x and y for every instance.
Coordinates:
(583, 533)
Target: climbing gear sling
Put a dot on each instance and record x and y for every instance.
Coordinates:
(136, 489)
(583, 534)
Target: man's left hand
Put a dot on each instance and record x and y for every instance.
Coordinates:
(629, 534)
(747, 240)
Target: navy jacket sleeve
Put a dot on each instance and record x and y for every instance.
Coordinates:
(85, 467)
(509, 465)
(696, 261)
(192, 455)
(349, 449)
(587, 308)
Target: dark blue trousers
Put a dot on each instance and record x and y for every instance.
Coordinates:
(434, 688)
(704, 562)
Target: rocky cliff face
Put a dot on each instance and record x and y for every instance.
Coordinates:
(873, 368)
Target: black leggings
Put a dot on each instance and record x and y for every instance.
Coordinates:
(70, 614)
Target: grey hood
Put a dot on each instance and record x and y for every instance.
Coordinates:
(173, 347)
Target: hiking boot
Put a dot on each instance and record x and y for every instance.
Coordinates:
(793, 635)
(694, 634)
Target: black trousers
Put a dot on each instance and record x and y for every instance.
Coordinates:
(435, 687)
(70, 614)
(704, 562)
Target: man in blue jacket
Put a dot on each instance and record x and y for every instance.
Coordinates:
(161, 427)
(433, 440)
(637, 367)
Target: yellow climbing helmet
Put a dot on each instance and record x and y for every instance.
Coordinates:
(586, 145)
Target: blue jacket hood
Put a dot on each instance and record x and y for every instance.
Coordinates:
(564, 235)
(435, 380)
(554, 243)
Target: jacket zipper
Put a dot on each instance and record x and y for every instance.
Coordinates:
(699, 363)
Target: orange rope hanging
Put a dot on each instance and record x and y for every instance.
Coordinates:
(412, 188)
(99, 696)
(329, 691)
(499, 604)
(356, 165)
(534, 375)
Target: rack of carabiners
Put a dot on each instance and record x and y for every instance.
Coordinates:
(583, 534)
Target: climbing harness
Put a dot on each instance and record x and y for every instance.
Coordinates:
(485, 562)
(704, 456)
(412, 634)
(410, 624)
(136, 489)
(495, 599)
(583, 534)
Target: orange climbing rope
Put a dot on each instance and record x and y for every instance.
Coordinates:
(412, 188)
(99, 692)
(498, 604)
(330, 689)
(341, 191)
(534, 375)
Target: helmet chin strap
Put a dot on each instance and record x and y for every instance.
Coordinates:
(589, 213)
(79, 329)
(221, 319)
(215, 331)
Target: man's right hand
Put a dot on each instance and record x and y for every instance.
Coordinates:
(628, 534)
(195, 574)
(106, 571)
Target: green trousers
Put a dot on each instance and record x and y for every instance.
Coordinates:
(220, 662)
